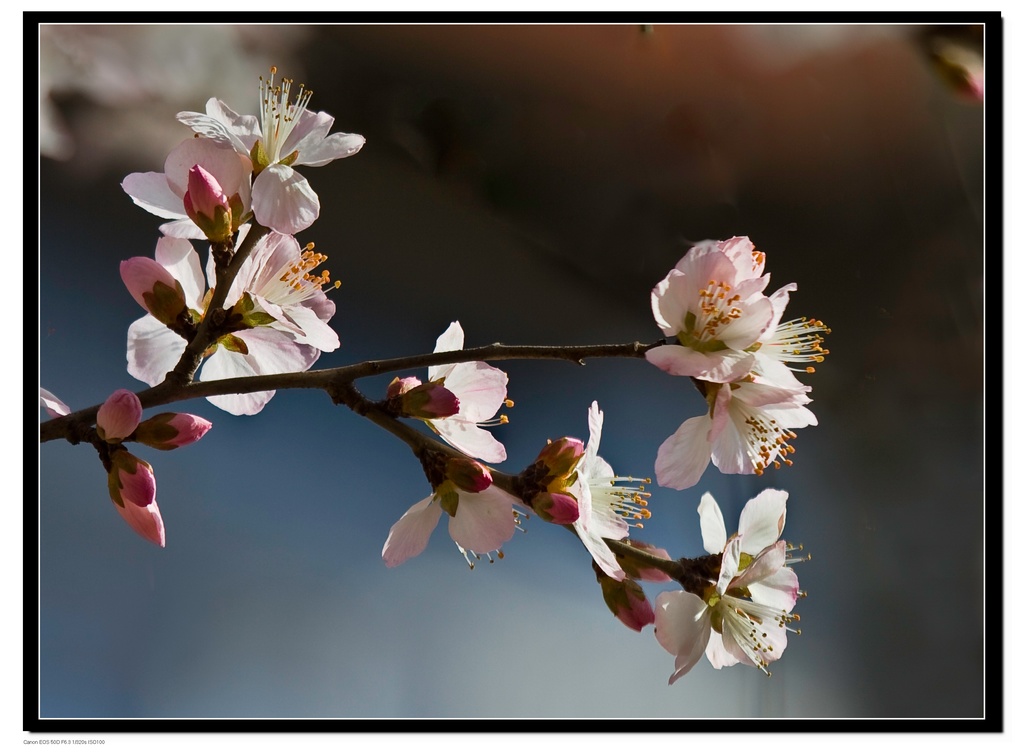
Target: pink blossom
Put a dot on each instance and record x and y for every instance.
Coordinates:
(481, 392)
(479, 521)
(747, 429)
(286, 134)
(284, 304)
(745, 616)
(609, 504)
(163, 194)
(713, 304)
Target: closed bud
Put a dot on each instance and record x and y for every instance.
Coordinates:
(409, 397)
(639, 570)
(467, 474)
(560, 457)
(555, 507)
(169, 430)
(154, 288)
(132, 487)
(118, 416)
(207, 205)
(626, 600)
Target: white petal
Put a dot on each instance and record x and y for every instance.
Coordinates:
(469, 438)
(410, 534)
(183, 228)
(450, 340)
(222, 163)
(762, 520)
(683, 457)
(270, 352)
(712, 525)
(151, 192)
(283, 200)
(153, 350)
(213, 128)
(177, 256)
(600, 552)
(667, 304)
(718, 655)
(778, 590)
(484, 521)
(334, 147)
(481, 390)
(53, 405)
(315, 332)
(717, 366)
(682, 626)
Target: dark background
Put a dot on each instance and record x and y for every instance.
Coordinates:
(533, 182)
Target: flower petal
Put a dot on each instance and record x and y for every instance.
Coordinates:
(712, 524)
(410, 534)
(283, 200)
(717, 366)
(177, 256)
(683, 457)
(683, 627)
(762, 520)
(153, 350)
(481, 389)
(469, 438)
(484, 521)
(151, 192)
(780, 590)
(53, 405)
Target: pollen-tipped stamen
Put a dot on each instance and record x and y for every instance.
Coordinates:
(278, 116)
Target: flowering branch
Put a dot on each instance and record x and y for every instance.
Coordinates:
(258, 317)
(227, 266)
(335, 380)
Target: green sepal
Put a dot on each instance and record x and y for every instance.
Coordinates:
(233, 343)
(259, 158)
(157, 432)
(449, 497)
(290, 159)
(245, 309)
(165, 303)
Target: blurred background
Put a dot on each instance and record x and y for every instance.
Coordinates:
(534, 183)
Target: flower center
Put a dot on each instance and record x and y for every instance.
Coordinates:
(745, 621)
(716, 309)
(627, 501)
(294, 283)
(278, 116)
(766, 441)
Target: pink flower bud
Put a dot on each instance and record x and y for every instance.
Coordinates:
(432, 400)
(558, 459)
(555, 507)
(401, 385)
(118, 416)
(639, 570)
(467, 474)
(207, 205)
(132, 487)
(168, 431)
(626, 600)
(154, 288)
